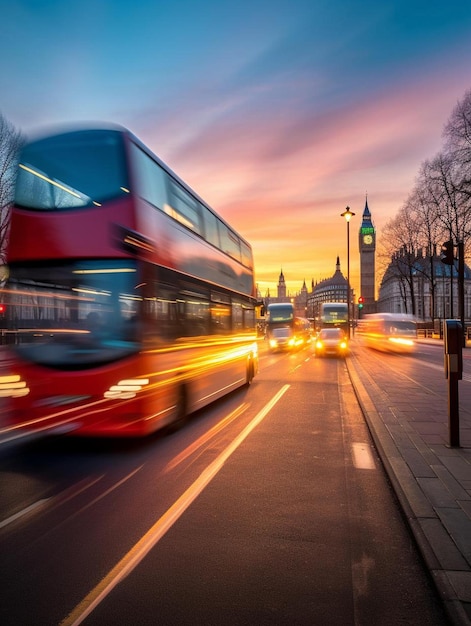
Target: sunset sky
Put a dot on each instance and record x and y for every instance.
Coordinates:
(278, 113)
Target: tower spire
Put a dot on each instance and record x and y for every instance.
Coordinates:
(281, 285)
(367, 247)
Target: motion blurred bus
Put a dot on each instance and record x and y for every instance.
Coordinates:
(389, 332)
(284, 330)
(130, 303)
(334, 315)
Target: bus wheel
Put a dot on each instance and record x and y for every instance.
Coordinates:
(181, 406)
(250, 372)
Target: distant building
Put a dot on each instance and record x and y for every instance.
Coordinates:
(282, 297)
(333, 289)
(408, 287)
(367, 249)
(415, 282)
(299, 300)
(307, 303)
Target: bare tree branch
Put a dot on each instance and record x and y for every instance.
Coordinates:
(11, 141)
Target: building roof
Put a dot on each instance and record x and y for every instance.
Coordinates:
(337, 280)
(403, 263)
(367, 222)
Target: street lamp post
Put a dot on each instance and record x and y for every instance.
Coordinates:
(348, 214)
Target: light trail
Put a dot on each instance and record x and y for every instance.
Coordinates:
(137, 553)
(206, 437)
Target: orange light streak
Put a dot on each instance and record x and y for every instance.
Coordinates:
(206, 437)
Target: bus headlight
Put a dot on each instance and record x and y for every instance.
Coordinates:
(401, 341)
(126, 389)
(13, 387)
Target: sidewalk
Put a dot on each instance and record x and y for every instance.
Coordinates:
(432, 480)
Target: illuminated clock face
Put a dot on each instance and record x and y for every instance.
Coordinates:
(368, 239)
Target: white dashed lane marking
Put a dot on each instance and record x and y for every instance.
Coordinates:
(362, 456)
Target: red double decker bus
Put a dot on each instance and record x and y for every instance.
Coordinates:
(129, 302)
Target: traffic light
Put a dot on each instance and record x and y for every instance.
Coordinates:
(360, 302)
(447, 253)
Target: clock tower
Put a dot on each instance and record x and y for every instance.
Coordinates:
(367, 246)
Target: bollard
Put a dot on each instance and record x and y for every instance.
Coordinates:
(453, 347)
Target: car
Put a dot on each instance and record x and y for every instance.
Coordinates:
(331, 341)
(282, 339)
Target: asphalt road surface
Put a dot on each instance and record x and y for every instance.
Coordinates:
(270, 507)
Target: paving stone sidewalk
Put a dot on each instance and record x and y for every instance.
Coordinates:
(432, 480)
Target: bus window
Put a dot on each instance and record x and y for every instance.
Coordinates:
(194, 313)
(220, 313)
(237, 316)
(230, 243)
(150, 178)
(71, 171)
(74, 315)
(247, 259)
(183, 207)
(249, 318)
(211, 227)
(243, 317)
(280, 312)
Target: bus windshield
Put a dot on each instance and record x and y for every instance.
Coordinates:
(398, 327)
(280, 313)
(335, 310)
(74, 314)
(72, 170)
(334, 314)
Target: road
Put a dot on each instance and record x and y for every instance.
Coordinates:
(270, 507)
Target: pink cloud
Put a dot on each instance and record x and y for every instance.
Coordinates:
(282, 179)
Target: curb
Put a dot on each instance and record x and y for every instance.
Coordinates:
(404, 482)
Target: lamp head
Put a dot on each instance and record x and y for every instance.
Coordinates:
(347, 214)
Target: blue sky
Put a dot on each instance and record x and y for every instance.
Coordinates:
(278, 113)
